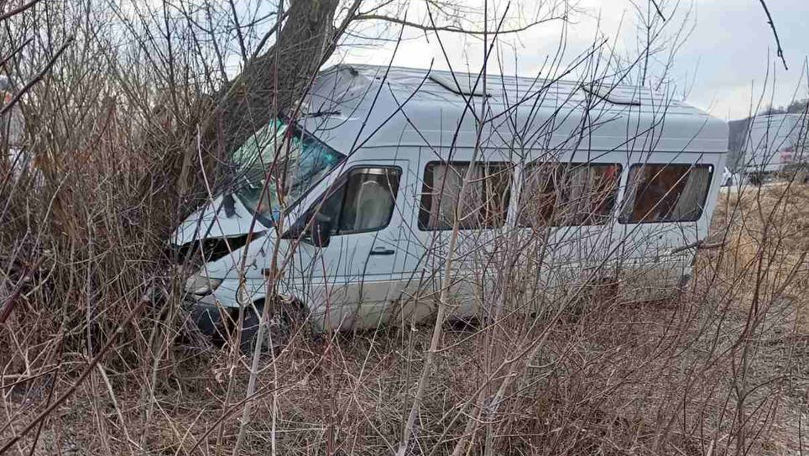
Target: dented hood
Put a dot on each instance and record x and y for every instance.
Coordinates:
(224, 217)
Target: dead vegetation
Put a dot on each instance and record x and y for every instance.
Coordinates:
(705, 374)
(719, 370)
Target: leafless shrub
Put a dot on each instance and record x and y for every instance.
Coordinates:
(125, 135)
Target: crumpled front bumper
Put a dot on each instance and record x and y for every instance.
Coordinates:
(209, 312)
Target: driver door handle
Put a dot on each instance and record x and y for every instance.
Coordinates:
(382, 251)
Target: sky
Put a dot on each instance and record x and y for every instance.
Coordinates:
(727, 65)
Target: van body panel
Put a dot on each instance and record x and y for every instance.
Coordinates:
(215, 220)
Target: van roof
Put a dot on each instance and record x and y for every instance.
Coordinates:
(377, 106)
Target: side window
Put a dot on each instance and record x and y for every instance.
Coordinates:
(363, 202)
(568, 194)
(666, 193)
(484, 203)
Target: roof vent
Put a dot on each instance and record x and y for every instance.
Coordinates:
(460, 85)
(627, 96)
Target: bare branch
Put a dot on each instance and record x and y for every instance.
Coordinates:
(11, 301)
(451, 28)
(780, 50)
(37, 78)
(19, 10)
(15, 51)
(659, 11)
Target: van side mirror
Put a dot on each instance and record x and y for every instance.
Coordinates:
(320, 232)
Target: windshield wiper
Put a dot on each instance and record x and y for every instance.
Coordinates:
(316, 114)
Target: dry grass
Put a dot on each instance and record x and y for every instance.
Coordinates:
(768, 226)
(649, 378)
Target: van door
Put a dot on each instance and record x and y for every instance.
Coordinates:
(351, 276)
(664, 208)
(481, 203)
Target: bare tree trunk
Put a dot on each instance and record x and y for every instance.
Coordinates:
(274, 81)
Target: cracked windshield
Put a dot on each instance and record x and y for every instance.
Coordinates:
(292, 160)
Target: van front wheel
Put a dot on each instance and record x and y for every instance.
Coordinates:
(277, 331)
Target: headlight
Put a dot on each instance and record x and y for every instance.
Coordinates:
(200, 284)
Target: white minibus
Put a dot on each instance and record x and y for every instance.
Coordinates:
(353, 209)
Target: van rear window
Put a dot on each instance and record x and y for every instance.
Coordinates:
(484, 203)
(569, 194)
(666, 193)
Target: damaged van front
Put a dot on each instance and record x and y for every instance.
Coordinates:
(235, 233)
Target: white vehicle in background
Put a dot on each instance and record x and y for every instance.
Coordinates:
(373, 181)
(777, 144)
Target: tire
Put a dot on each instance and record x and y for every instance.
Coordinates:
(281, 326)
(684, 284)
(250, 324)
(209, 322)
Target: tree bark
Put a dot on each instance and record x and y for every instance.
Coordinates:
(271, 83)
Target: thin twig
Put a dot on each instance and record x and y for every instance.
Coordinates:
(19, 10)
(659, 11)
(37, 78)
(780, 50)
(11, 301)
(15, 51)
(450, 28)
(267, 35)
